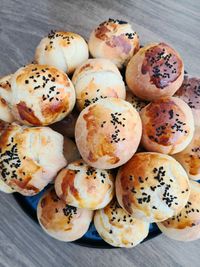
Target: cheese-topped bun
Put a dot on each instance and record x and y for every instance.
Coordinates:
(190, 156)
(41, 95)
(70, 150)
(152, 186)
(63, 50)
(114, 39)
(118, 228)
(168, 125)
(5, 188)
(155, 71)
(61, 221)
(185, 226)
(108, 133)
(136, 102)
(5, 98)
(66, 126)
(30, 157)
(83, 186)
(96, 79)
(190, 93)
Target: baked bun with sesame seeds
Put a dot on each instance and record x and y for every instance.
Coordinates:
(83, 186)
(5, 188)
(108, 133)
(114, 40)
(185, 226)
(155, 71)
(189, 158)
(61, 221)
(190, 93)
(63, 50)
(152, 186)
(95, 79)
(168, 125)
(41, 95)
(118, 228)
(30, 157)
(136, 102)
(70, 150)
(5, 98)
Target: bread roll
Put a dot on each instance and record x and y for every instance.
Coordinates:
(5, 98)
(155, 71)
(66, 126)
(185, 226)
(189, 158)
(61, 221)
(108, 133)
(136, 102)
(168, 125)
(70, 150)
(63, 50)
(115, 40)
(30, 157)
(190, 93)
(152, 186)
(83, 186)
(96, 79)
(41, 95)
(5, 188)
(118, 228)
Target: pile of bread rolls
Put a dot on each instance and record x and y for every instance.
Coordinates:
(121, 151)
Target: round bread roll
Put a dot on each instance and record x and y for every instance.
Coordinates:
(83, 186)
(185, 226)
(30, 157)
(168, 125)
(118, 228)
(96, 79)
(190, 93)
(189, 158)
(155, 71)
(61, 221)
(5, 188)
(108, 133)
(70, 150)
(66, 126)
(152, 186)
(63, 50)
(136, 102)
(41, 95)
(115, 40)
(5, 98)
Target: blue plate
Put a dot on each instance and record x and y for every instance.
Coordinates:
(90, 239)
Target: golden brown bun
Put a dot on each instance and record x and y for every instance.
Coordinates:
(152, 186)
(189, 158)
(136, 102)
(96, 79)
(83, 186)
(60, 221)
(5, 188)
(70, 150)
(30, 157)
(5, 98)
(108, 133)
(155, 71)
(41, 95)
(185, 226)
(190, 93)
(168, 125)
(114, 40)
(63, 50)
(66, 126)
(118, 228)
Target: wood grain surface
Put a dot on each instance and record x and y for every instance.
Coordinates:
(22, 24)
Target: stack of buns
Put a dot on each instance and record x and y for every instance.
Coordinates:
(119, 151)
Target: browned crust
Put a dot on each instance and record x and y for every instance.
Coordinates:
(27, 114)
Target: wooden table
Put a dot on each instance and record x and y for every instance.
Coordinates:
(22, 24)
